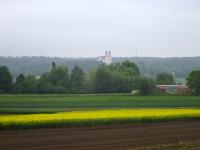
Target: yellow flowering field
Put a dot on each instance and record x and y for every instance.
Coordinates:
(95, 117)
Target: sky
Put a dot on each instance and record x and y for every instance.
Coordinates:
(86, 28)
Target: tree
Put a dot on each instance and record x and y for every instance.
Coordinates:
(103, 80)
(146, 86)
(55, 81)
(20, 85)
(59, 76)
(6, 80)
(90, 80)
(20, 78)
(193, 82)
(77, 79)
(53, 65)
(165, 78)
(44, 84)
(27, 84)
(118, 77)
(130, 68)
(31, 84)
(124, 76)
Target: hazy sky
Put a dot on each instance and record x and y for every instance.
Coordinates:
(86, 28)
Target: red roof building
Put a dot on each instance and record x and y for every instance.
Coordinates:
(172, 89)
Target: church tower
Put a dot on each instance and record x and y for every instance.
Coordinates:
(108, 57)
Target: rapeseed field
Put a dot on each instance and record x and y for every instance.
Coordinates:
(95, 117)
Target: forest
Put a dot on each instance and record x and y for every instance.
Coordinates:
(149, 66)
(123, 77)
(119, 77)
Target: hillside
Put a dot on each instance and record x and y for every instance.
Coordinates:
(149, 66)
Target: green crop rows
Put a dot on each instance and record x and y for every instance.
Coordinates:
(37, 111)
(60, 103)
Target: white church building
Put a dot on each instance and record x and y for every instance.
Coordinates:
(107, 58)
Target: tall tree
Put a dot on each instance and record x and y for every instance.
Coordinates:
(90, 80)
(6, 80)
(53, 65)
(193, 82)
(124, 76)
(44, 84)
(20, 85)
(20, 78)
(130, 68)
(27, 84)
(59, 76)
(31, 83)
(146, 86)
(55, 81)
(103, 80)
(77, 79)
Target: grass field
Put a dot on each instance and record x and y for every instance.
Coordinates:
(35, 111)
(95, 117)
(60, 103)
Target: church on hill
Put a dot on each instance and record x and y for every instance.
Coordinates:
(107, 58)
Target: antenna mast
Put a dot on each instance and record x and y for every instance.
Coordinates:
(136, 52)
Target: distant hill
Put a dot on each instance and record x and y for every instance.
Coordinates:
(149, 66)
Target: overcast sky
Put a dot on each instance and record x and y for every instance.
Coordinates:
(86, 28)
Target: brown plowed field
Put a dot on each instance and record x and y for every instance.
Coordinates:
(106, 137)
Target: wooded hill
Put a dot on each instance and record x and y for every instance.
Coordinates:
(149, 66)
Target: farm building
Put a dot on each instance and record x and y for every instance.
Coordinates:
(172, 89)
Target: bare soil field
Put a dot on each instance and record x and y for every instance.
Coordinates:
(117, 137)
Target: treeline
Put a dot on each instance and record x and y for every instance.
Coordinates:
(118, 77)
(150, 67)
(121, 77)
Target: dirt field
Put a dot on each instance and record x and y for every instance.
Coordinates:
(107, 137)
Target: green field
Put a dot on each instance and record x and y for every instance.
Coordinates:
(35, 111)
(60, 103)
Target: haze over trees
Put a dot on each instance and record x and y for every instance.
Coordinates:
(149, 66)
(165, 79)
